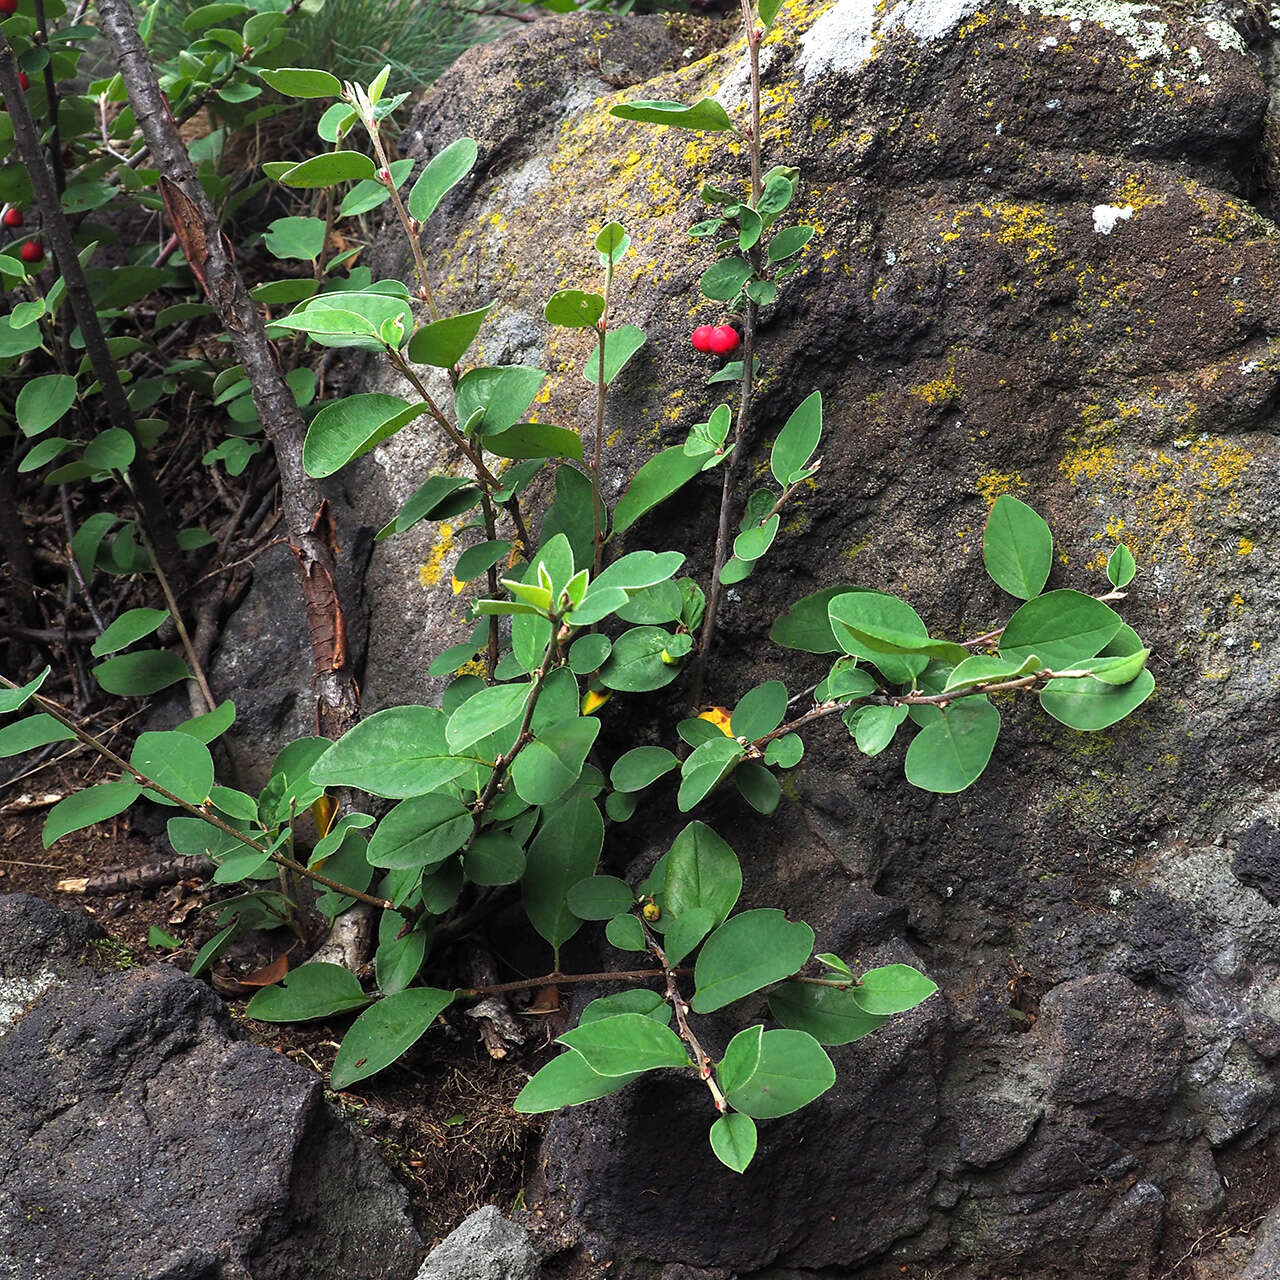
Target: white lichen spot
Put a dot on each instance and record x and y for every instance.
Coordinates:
(1249, 366)
(890, 257)
(1105, 217)
(840, 40)
(1053, 104)
(1225, 36)
(930, 19)
(17, 994)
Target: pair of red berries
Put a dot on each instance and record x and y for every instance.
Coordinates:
(13, 217)
(8, 6)
(32, 252)
(716, 339)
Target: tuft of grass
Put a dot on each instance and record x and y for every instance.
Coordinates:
(355, 39)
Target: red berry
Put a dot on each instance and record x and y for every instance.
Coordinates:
(13, 216)
(31, 252)
(702, 338)
(23, 83)
(8, 6)
(724, 339)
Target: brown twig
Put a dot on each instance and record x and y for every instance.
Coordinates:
(306, 517)
(557, 979)
(204, 812)
(58, 230)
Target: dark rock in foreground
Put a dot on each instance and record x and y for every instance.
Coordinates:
(139, 1140)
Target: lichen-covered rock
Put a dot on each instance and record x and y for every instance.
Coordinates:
(1042, 267)
(140, 1141)
(486, 1246)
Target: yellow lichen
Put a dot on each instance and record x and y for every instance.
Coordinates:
(431, 572)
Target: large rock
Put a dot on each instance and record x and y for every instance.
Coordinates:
(486, 1246)
(139, 1140)
(1042, 268)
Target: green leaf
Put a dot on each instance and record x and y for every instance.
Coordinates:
(138, 674)
(785, 752)
(303, 82)
(535, 440)
(384, 1032)
(14, 699)
(588, 653)
(797, 440)
(312, 991)
(211, 725)
(235, 804)
(84, 808)
(176, 761)
(761, 790)
(767, 11)
(494, 858)
(373, 192)
(1090, 704)
(635, 664)
(485, 712)
(477, 559)
(951, 752)
(984, 669)
(420, 832)
(807, 626)
(702, 872)
(626, 933)
(788, 242)
(442, 343)
(301, 238)
(705, 768)
(706, 114)
(574, 309)
(640, 767)
(747, 952)
(1118, 669)
(290, 785)
(1060, 628)
(328, 169)
(875, 727)
(563, 852)
(550, 764)
(501, 394)
(567, 1081)
(214, 948)
(442, 174)
(792, 1071)
(437, 499)
(111, 450)
(733, 1137)
(157, 938)
(620, 345)
(600, 898)
(724, 279)
(130, 626)
(656, 481)
(741, 1058)
(396, 753)
(894, 988)
(889, 633)
(399, 955)
(626, 1044)
(1017, 548)
(752, 543)
(831, 1016)
(43, 401)
(44, 452)
(760, 711)
(648, 1003)
(1120, 565)
(612, 243)
(34, 731)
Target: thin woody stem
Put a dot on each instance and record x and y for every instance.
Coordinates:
(733, 468)
(681, 1010)
(176, 614)
(51, 708)
(486, 477)
(602, 331)
(835, 706)
(565, 980)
